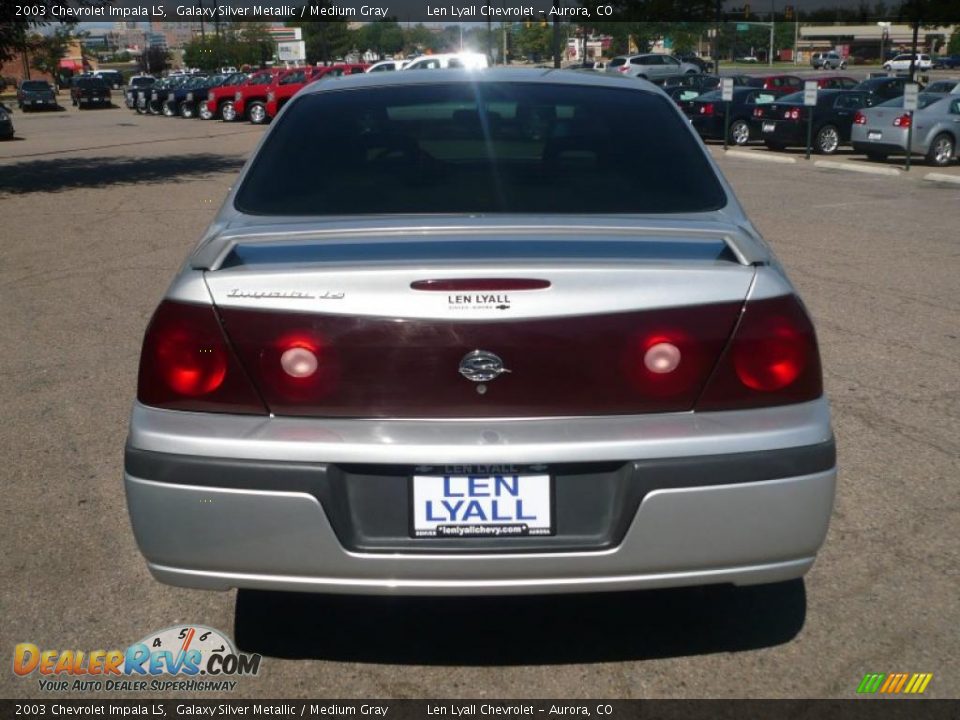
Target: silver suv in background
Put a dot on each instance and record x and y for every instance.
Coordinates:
(827, 61)
(651, 66)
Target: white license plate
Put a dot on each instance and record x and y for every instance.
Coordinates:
(874, 135)
(769, 127)
(478, 506)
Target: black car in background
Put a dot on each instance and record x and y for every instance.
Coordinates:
(156, 97)
(137, 83)
(36, 95)
(184, 98)
(88, 91)
(113, 78)
(784, 123)
(6, 123)
(883, 88)
(707, 113)
(946, 62)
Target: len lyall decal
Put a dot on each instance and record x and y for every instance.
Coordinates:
(180, 650)
(895, 683)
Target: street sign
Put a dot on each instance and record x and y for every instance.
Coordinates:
(743, 27)
(910, 92)
(726, 89)
(810, 92)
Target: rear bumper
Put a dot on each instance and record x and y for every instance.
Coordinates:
(727, 500)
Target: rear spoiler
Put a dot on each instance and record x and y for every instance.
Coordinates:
(742, 241)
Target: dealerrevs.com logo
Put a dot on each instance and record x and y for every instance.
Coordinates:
(179, 658)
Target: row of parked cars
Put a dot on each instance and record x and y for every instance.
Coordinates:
(867, 115)
(260, 95)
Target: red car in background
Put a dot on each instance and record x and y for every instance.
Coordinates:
(212, 105)
(286, 86)
(250, 99)
(776, 84)
(835, 82)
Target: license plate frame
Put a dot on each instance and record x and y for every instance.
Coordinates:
(874, 135)
(769, 127)
(501, 497)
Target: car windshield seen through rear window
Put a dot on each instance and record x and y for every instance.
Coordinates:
(34, 86)
(486, 147)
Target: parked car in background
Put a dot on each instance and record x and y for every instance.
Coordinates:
(658, 420)
(221, 101)
(6, 122)
(650, 66)
(137, 83)
(748, 59)
(157, 95)
(901, 63)
(943, 86)
(827, 61)
(449, 61)
(184, 99)
(882, 131)
(705, 65)
(784, 123)
(36, 95)
(883, 88)
(86, 92)
(250, 99)
(685, 88)
(946, 62)
(205, 105)
(113, 78)
(387, 66)
(835, 82)
(776, 84)
(286, 86)
(708, 112)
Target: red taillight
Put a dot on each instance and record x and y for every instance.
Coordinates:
(623, 69)
(298, 365)
(903, 121)
(772, 360)
(186, 364)
(793, 114)
(758, 112)
(859, 118)
(706, 109)
(480, 284)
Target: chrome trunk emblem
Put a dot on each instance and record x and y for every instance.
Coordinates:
(481, 366)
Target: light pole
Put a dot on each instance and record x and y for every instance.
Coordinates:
(884, 29)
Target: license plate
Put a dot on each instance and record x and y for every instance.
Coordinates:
(874, 135)
(478, 506)
(769, 127)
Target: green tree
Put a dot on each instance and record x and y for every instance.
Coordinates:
(46, 52)
(326, 40)
(534, 39)
(953, 47)
(154, 59)
(384, 37)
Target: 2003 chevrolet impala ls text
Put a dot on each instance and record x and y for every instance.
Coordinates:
(491, 332)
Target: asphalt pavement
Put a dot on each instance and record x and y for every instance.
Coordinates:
(98, 209)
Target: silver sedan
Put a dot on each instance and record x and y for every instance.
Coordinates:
(553, 358)
(883, 130)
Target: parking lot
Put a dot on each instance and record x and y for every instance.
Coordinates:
(98, 209)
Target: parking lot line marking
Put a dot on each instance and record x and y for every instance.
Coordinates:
(942, 177)
(783, 159)
(833, 165)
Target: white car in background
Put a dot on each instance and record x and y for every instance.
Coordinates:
(445, 61)
(902, 62)
(387, 66)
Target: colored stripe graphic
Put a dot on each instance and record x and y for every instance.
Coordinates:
(895, 683)
(871, 682)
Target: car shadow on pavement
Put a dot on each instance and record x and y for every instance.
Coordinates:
(520, 630)
(56, 175)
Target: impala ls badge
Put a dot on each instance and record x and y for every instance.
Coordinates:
(481, 366)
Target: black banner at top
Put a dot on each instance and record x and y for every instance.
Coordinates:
(584, 12)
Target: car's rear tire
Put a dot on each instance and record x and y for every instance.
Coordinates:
(168, 110)
(877, 156)
(228, 112)
(828, 140)
(258, 113)
(739, 132)
(186, 109)
(205, 113)
(941, 150)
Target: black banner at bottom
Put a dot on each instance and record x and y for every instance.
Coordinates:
(854, 709)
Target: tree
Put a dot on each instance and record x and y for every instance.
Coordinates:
(154, 59)
(384, 37)
(46, 52)
(534, 40)
(326, 40)
(953, 47)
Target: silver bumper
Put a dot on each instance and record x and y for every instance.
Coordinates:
(217, 537)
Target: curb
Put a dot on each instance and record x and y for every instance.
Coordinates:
(783, 160)
(942, 178)
(833, 165)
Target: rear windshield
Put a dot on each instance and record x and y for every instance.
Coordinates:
(617, 62)
(923, 99)
(91, 83)
(481, 147)
(138, 82)
(34, 85)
